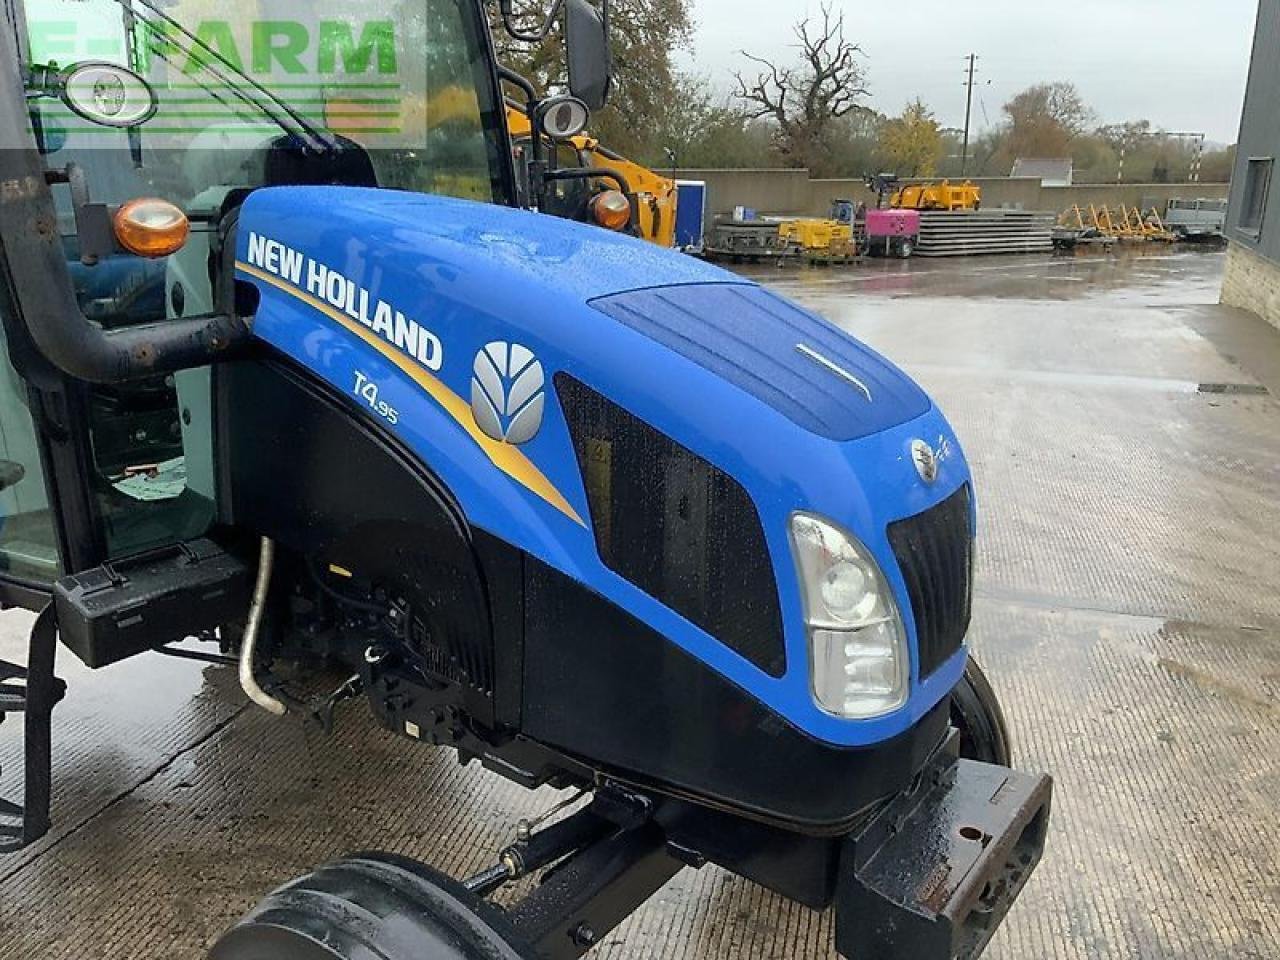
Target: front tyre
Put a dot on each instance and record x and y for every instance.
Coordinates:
(371, 907)
(976, 713)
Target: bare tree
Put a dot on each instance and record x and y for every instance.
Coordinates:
(806, 100)
(1045, 119)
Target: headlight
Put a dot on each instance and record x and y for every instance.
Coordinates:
(857, 644)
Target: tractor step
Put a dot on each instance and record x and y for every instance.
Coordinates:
(932, 876)
(13, 699)
(33, 691)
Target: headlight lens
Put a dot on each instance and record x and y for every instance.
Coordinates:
(848, 592)
(857, 643)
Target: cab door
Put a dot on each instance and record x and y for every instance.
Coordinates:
(89, 473)
(94, 473)
(62, 442)
(29, 548)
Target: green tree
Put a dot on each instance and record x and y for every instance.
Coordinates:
(990, 153)
(1218, 165)
(855, 145)
(1126, 137)
(912, 142)
(697, 129)
(1150, 154)
(646, 34)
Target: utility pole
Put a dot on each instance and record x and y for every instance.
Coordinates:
(1197, 151)
(1197, 157)
(968, 114)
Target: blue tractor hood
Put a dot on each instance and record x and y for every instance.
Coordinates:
(453, 325)
(818, 377)
(786, 357)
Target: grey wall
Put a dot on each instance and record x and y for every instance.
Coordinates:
(768, 191)
(1260, 133)
(792, 192)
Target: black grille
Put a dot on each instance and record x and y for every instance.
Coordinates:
(677, 527)
(452, 655)
(935, 553)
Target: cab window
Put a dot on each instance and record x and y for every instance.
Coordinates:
(28, 548)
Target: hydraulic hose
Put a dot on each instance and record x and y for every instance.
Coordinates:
(266, 559)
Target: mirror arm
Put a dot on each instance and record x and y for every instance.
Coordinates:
(530, 109)
(538, 166)
(41, 80)
(507, 8)
(94, 233)
(516, 80)
(593, 173)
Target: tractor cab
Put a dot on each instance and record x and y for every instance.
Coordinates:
(131, 103)
(208, 132)
(296, 368)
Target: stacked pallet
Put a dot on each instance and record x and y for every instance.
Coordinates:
(973, 232)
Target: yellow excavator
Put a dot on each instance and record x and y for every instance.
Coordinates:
(655, 195)
(943, 195)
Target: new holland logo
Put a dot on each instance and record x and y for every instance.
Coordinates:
(928, 460)
(507, 398)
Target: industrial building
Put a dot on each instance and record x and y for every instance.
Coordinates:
(1252, 278)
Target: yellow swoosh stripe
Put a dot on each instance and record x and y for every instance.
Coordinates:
(504, 456)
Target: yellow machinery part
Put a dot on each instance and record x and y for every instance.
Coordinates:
(655, 194)
(1125, 223)
(1073, 217)
(813, 234)
(1155, 228)
(938, 196)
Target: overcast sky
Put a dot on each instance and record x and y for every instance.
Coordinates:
(1181, 64)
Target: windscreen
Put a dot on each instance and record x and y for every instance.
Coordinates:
(243, 86)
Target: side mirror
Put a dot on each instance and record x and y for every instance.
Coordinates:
(562, 118)
(586, 40)
(107, 94)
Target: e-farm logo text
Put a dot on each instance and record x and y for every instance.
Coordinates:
(265, 47)
(344, 74)
(307, 275)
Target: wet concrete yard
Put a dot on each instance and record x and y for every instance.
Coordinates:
(1125, 436)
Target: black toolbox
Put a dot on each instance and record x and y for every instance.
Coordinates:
(122, 608)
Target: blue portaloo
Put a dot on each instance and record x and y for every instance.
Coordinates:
(691, 213)
(405, 302)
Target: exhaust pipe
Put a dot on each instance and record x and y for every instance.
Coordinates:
(248, 683)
